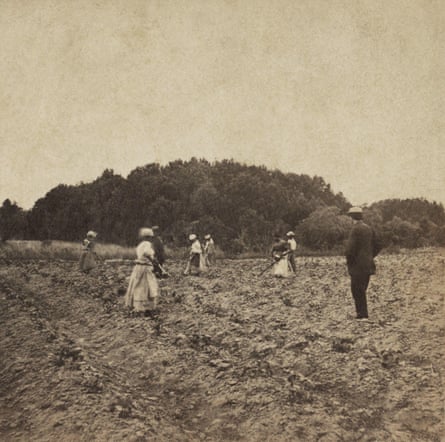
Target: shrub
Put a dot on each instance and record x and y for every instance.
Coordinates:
(324, 229)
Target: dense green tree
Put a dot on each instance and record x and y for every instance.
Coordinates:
(413, 210)
(12, 221)
(408, 223)
(241, 205)
(324, 228)
(402, 233)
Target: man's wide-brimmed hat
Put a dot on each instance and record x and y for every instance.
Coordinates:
(207, 236)
(145, 232)
(192, 237)
(355, 210)
(290, 233)
(92, 234)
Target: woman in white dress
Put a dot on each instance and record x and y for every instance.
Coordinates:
(279, 254)
(196, 258)
(143, 290)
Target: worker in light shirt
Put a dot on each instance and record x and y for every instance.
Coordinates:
(209, 250)
(195, 258)
(292, 245)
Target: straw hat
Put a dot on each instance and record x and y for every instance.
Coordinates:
(355, 210)
(290, 233)
(192, 237)
(207, 236)
(91, 234)
(145, 232)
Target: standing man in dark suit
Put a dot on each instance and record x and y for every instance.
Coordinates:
(361, 249)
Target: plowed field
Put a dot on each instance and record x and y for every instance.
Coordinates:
(231, 356)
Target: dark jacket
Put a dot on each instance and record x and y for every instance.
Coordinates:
(158, 247)
(361, 248)
(279, 246)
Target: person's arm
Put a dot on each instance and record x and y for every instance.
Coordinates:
(377, 244)
(351, 247)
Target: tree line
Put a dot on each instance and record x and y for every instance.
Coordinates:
(242, 206)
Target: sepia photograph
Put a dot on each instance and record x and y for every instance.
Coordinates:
(222, 220)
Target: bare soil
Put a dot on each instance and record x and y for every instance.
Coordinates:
(231, 356)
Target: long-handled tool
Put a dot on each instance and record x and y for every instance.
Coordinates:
(187, 269)
(163, 272)
(267, 268)
(275, 261)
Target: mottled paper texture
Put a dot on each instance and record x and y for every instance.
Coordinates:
(347, 90)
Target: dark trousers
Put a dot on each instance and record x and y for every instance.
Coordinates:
(292, 262)
(359, 284)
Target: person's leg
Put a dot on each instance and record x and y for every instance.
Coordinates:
(365, 283)
(292, 262)
(359, 283)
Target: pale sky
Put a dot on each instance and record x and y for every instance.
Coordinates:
(348, 90)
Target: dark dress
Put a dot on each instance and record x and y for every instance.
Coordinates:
(87, 260)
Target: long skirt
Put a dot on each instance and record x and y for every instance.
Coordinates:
(281, 268)
(195, 260)
(143, 291)
(209, 259)
(202, 263)
(87, 261)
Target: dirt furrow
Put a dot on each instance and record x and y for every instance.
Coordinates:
(232, 356)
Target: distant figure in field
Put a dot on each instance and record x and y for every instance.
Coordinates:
(362, 247)
(143, 291)
(159, 249)
(279, 254)
(195, 258)
(87, 260)
(292, 246)
(209, 250)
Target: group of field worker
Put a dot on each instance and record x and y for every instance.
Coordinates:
(200, 258)
(361, 249)
(283, 254)
(143, 289)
